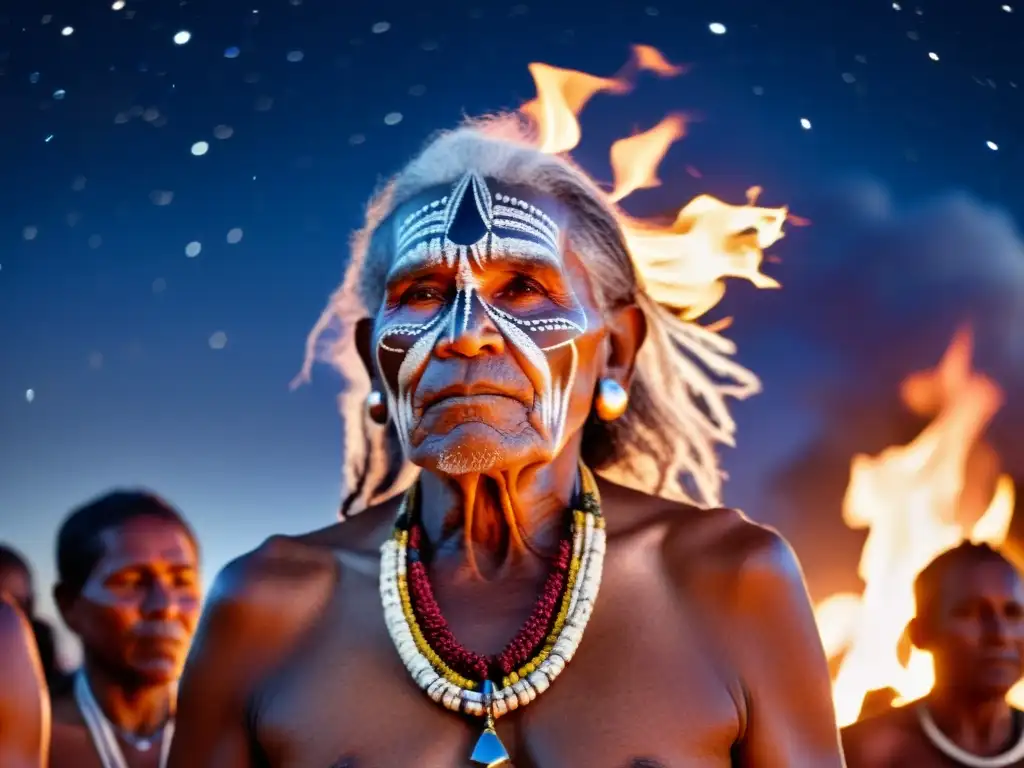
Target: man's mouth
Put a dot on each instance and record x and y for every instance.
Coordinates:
(461, 395)
(501, 413)
(1001, 659)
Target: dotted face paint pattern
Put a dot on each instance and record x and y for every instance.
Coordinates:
(463, 231)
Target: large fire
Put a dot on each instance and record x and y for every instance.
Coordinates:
(682, 265)
(709, 239)
(913, 500)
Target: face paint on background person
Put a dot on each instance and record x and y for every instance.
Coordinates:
(464, 231)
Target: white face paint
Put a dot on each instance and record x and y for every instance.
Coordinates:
(463, 232)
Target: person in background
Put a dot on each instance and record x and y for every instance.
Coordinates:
(24, 702)
(128, 588)
(17, 581)
(970, 617)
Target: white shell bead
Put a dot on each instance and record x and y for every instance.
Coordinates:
(589, 543)
(539, 681)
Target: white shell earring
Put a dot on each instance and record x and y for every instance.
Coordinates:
(611, 400)
(377, 407)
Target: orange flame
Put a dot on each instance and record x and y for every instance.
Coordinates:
(682, 264)
(646, 57)
(910, 498)
(635, 160)
(561, 96)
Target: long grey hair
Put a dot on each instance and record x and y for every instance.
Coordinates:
(665, 444)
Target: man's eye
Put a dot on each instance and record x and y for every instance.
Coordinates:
(422, 293)
(521, 286)
(124, 581)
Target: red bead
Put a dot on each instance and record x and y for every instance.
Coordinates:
(526, 644)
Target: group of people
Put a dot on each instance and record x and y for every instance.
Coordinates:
(519, 578)
(128, 588)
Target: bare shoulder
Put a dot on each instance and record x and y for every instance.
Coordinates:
(279, 589)
(711, 545)
(727, 542)
(883, 740)
(282, 574)
(259, 609)
(18, 657)
(14, 631)
(24, 704)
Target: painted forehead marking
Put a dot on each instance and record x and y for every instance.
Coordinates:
(471, 217)
(470, 225)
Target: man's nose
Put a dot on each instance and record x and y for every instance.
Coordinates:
(160, 600)
(471, 332)
(997, 629)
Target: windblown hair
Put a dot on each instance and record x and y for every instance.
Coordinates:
(665, 442)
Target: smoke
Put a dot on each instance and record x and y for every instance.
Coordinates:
(872, 291)
(873, 273)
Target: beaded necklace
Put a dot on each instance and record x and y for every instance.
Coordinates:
(102, 731)
(488, 687)
(957, 754)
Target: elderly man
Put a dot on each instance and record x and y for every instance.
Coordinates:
(970, 617)
(507, 606)
(128, 587)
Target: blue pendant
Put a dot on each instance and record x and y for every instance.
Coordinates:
(489, 750)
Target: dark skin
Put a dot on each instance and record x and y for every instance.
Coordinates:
(975, 630)
(24, 702)
(135, 616)
(293, 665)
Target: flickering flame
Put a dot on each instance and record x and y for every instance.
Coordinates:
(646, 57)
(635, 160)
(682, 263)
(909, 498)
(561, 96)
(680, 267)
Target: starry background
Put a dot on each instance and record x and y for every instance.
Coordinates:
(180, 179)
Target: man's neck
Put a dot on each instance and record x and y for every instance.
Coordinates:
(982, 727)
(136, 708)
(502, 521)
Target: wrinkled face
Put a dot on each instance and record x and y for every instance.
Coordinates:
(976, 631)
(137, 612)
(487, 341)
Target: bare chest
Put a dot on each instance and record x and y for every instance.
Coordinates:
(642, 692)
(918, 751)
(71, 746)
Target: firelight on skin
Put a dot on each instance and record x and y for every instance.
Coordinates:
(444, 237)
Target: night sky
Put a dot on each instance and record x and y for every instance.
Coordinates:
(154, 301)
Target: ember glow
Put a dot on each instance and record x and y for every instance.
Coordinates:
(914, 501)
